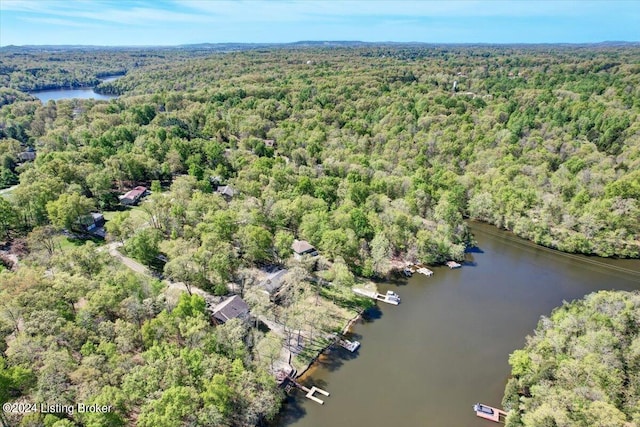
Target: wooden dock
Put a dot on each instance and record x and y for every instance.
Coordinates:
(489, 413)
(389, 298)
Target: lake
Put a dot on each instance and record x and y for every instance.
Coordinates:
(446, 346)
(79, 93)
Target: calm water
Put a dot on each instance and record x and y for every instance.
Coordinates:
(446, 346)
(80, 93)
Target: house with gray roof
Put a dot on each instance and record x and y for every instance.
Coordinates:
(230, 308)
(274, 281)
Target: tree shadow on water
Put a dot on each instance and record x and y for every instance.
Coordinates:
(371, 314)
(291, 411)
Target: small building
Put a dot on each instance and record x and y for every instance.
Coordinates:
(272, 284)
(132, 197)
(270, 143)
(230, 308)
(302, 247)
(226, 191)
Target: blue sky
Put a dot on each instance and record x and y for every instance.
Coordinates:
(174, 22)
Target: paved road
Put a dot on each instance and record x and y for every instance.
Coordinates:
(129, 262)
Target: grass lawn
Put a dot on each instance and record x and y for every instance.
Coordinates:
(6, 193)
(65, 243)
(135, 213)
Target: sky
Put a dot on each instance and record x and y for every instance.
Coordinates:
(177, 22)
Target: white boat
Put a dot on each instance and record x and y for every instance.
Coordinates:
(452, 264)
(392, 297)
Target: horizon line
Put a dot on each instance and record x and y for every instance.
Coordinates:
(515, 43)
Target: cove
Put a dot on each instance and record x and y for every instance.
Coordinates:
(446, 346)
(79, 93)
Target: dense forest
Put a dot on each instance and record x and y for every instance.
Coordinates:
(581, 367)
(375, 155)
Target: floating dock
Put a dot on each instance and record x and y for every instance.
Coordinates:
(390, 297)
(489, 413)
(349, 345)
(452, 264)
(425, 271)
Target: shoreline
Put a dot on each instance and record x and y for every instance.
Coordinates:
(345, 329)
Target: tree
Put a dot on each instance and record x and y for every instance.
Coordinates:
(256, 243)
(176, 406)
(8, 217)
(67, 211)
(144, 246)
(42, 238)
(381, 254)
(120, 227)
(552, 385)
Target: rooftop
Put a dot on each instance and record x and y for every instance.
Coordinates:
(302, 246)
(134, 194)
(230, 309)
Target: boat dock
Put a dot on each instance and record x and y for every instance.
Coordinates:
(309, 392)
(489, 413)
(452, 264)
(349, 345)
(425, 271)
(417, 268)
(390, 297)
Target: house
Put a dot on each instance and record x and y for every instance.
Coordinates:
(132, 197)
(302, 247)
(215, 181)
(272, 284)
(92, 221)
(230, 308)
(226, 191)
(27, 156)
(270, 143)
(93, 224)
